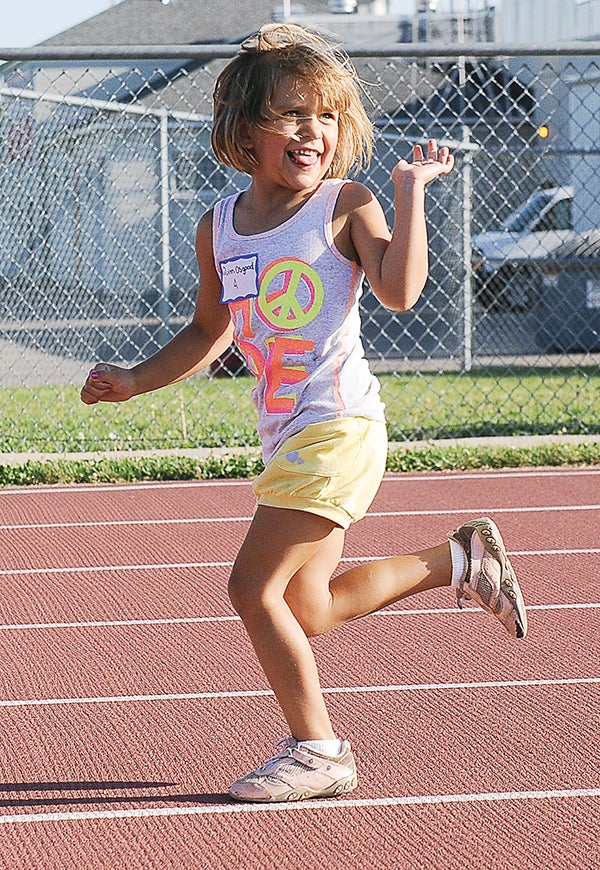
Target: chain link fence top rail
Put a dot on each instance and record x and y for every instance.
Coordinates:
(106, 167)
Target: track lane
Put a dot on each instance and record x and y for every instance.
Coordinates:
(212, 657)
(175, 756)
(158, 753)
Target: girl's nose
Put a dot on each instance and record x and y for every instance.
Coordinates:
(308, 127)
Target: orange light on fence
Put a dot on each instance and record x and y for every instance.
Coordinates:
(543, 131)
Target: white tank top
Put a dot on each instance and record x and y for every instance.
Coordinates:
(294, 302)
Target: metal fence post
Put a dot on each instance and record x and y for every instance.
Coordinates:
(467, 287)
(467, 299)
(164, 305)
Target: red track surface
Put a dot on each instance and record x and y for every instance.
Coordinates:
(130, 697)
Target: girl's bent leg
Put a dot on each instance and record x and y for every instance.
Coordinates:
(366, 588)
(280, 586)
(373, 585)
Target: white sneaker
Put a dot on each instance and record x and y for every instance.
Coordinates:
(490, 580)
(297, 773)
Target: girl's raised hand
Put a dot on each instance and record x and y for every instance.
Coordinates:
(424, 169)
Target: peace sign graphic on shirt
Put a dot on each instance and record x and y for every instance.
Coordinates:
(291, 294)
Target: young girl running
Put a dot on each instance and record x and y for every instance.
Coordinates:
(281, 268)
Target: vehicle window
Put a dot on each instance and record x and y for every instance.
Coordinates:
(521, 219)
(556, 218)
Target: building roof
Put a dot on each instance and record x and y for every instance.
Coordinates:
(490, 93)
(182, 22)
(197, 22)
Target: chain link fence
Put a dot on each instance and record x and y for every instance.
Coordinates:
(106, 167)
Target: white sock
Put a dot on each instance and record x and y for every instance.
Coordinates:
(325, 747)
(459, 562)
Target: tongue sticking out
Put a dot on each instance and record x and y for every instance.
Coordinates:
(303, 158)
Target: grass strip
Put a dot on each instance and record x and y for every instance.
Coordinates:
(205, 412)
(430, 457)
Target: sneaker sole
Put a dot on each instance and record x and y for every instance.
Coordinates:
(336, 790)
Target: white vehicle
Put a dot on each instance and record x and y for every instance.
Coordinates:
(503, 260)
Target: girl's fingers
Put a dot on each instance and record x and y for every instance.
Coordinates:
(437, 163)
(433, 155)
(417, 154)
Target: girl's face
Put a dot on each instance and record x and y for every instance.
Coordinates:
(297, 145)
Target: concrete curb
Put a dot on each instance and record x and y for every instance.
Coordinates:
(203, 453)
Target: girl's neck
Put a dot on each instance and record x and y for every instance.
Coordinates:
(259, 210)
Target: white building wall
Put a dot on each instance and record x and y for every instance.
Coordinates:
(537, 22)
(587, 19)
(573, 109)
(584, 123)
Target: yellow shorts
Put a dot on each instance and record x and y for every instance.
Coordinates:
(333, 469)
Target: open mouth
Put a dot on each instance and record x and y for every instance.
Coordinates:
(304, 157)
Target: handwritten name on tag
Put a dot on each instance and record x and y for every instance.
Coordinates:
(239, 278)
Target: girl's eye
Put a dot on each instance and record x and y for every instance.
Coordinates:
(299, 115)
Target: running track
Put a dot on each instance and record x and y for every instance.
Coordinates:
(130, 697)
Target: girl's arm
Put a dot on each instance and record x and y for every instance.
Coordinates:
(397, 264)
(197, 345)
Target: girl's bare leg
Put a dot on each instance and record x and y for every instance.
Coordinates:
(366, 588)
(280, 587)
(278, 544)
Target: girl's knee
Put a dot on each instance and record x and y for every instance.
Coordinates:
(251, 599)
(249, 595)
(237, 591)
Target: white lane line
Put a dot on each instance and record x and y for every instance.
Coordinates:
(579, 551)
(243, 519)
(167, 566)
(488, 510)
(316, 804)
(336, 690)
(104, 523)
(116, 623)
(92, 569)
(193, 620)
(86, 488)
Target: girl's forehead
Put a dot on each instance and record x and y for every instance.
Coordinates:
(291, 89)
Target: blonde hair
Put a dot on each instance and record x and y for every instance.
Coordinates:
(245, 87)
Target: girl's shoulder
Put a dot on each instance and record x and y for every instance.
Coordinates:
(352, 196)
(205, 223)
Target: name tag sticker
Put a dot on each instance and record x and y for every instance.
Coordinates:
(239, 278)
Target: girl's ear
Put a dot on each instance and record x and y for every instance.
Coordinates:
(244, 134)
